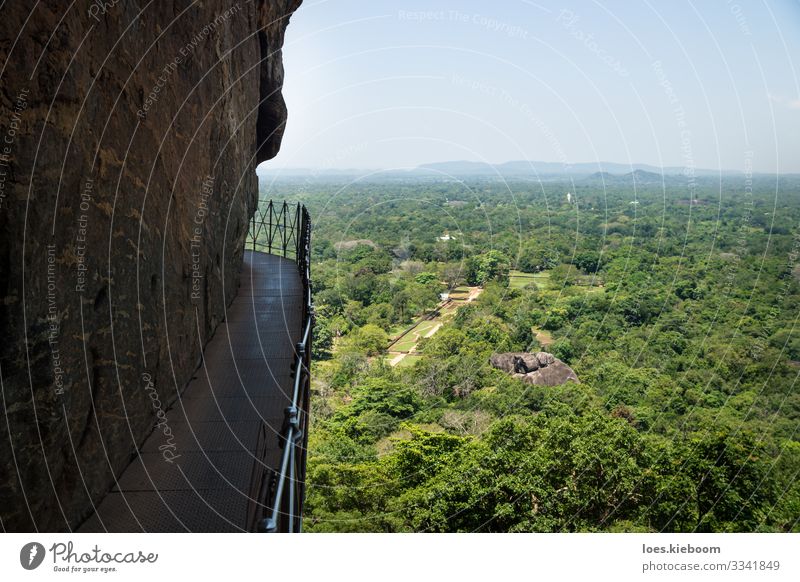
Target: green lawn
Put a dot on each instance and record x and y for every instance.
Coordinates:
(409, 360)
(416, 334)
(405, 344)
(543, 280)
(397, 330)
(520, 280)
(544, 338)
(425, 326)
(448, 310)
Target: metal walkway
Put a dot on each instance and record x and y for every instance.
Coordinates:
(219, 443)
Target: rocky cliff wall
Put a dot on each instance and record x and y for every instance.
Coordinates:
(129, 136)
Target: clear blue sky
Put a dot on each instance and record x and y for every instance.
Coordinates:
(384, 84)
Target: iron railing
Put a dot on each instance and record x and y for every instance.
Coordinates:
(285, 229)
(280, 229)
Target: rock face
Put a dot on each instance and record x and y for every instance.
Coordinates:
(538, 368)
(129, 136)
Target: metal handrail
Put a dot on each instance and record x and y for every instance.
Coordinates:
(275, 232)
(285, 511)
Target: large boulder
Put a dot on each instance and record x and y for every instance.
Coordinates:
(538, 368)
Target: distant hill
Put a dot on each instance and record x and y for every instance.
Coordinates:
(637, 177)
(535, 168)
(610, 172)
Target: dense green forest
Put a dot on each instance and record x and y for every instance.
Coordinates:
(675, 303)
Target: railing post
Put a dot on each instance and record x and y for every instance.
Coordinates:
(283, 234)
(298, 233)
(271, 231)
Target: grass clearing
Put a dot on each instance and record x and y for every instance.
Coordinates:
(425, 326)
(409, 360)
(543, 281)
(406, 344)
(520, 279)
(543, 337)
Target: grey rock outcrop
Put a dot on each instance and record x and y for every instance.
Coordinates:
(129, 137)
(538, 368)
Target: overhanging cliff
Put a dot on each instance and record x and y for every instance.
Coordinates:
(129, 139)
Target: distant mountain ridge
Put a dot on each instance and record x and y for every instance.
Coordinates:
(512, 169)
(533, 168)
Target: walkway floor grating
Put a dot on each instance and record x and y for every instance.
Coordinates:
(243, 384)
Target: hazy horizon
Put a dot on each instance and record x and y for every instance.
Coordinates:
(386, 85)
(271, 168)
